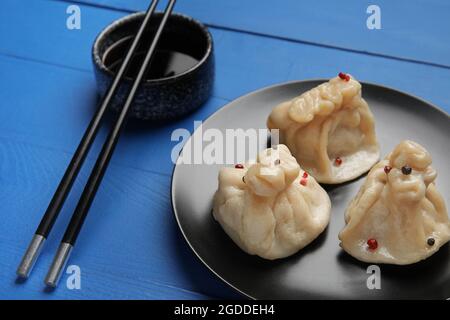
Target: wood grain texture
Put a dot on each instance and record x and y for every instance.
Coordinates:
(412, 30)
(245, 62)
(130, 246)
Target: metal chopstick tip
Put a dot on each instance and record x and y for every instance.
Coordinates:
(58, 264)
(30, 256)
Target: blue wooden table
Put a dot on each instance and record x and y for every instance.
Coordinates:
(130, 246)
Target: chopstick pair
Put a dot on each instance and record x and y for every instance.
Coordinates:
(82, 209)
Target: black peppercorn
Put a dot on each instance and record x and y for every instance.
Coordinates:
(406, 170)
(277, 162)
(430, 242)
(243, 179)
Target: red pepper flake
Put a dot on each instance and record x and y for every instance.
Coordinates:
(305, 174)
(338, 161)
(303, 181)
(239, 166)
(372, 244)
(344, 76)
(387, 169)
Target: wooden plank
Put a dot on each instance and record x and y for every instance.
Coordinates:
(74, 47)
(416, 30)
(58, 104)
(244, 63)
(37, 30)
(240, 56)
(49, 97)
(130, 246)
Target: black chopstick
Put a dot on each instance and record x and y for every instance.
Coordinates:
(82, 209)
(51, 214)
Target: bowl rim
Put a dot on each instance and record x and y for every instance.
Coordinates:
(118, 23)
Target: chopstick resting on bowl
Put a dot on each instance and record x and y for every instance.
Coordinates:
(102, 161)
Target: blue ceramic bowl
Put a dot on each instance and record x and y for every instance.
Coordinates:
(181, 75)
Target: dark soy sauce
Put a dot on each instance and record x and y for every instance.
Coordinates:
(165, 63)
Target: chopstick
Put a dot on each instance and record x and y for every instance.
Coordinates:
(63, 189)
(56, 203)
(82, 209)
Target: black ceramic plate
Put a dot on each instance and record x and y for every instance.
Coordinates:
(321, 270)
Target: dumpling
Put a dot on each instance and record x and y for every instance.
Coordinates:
(271, 208)
(398, 215)
(329, 130)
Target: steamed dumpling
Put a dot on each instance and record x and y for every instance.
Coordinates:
(329, 130)
(271, 208)
(398, 215)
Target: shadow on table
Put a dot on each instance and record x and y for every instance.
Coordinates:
(202, 278)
